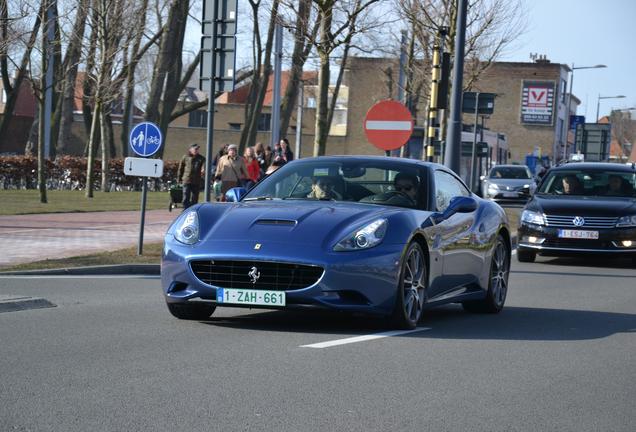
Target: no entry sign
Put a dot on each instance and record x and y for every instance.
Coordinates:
(388, 125)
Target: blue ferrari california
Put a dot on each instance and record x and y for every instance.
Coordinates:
(382, 236)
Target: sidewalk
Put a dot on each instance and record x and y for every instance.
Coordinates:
(27, 238)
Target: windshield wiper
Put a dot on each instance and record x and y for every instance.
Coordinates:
(259, 198)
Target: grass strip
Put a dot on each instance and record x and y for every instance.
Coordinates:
(15, 202)
(151, 255)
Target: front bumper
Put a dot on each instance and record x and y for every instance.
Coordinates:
(546, 241)
(363, 281)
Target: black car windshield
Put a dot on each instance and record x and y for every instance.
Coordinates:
(510, 172)
(370, 182)
(590, 183)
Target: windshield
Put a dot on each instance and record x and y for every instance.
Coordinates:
(507, 172)
(371, 182)
(590, 183)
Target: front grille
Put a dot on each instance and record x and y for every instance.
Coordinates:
(578, 244)
(591, 222)
(272, 275)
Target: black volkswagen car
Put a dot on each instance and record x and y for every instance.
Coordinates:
(581, 208)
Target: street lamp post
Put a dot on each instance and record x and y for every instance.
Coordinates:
(598, 102)
(567, 107)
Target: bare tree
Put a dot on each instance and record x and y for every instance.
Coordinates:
(169, 76)
(66, 102)
(261, 72)
(303, 45)
(9, 36)
(339, 23)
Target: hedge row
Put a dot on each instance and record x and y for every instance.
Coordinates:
(69, 172)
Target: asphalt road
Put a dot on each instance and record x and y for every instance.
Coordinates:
(109, 357)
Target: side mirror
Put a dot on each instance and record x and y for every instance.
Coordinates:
(235, 194)
(461, 204)
(458, 204)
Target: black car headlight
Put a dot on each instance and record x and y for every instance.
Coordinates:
(187, 230)
(626, 221)
(531, 217)
(366, 237)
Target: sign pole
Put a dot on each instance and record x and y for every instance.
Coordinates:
(472, 159)
(144, 192)
(210, 135)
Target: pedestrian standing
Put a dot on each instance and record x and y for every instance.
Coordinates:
(288, 155)
(190, 173)
(269, 157)
(259, 154)
(253, 167)
(230, 170)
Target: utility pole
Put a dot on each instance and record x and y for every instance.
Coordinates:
(435, 97)
(453, 139)
(400, 86)
(278, 58)
(299, 118)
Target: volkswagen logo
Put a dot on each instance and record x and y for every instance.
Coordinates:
(254, 274)
(578, 221)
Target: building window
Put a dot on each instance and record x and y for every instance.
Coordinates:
(264, 122)
(198, 119)
(311, 102)
(235, 126)
(564, 89)
(560, 130)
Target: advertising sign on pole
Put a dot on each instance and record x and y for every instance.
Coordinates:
(537, 103)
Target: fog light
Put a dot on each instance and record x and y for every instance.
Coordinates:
(532, 239)
(627, 243)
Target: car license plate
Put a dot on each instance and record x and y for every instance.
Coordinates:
(578, 234)
(250, 297)
(510, 194)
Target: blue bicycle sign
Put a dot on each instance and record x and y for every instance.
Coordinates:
(145, 139)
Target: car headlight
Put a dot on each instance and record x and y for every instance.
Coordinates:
(364, 238)
(626, 221)
(187, 231)
(528, 216)
(493, 189)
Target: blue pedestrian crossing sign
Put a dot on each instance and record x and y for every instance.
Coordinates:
(145, 139)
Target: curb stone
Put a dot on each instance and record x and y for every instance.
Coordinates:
(124, 269)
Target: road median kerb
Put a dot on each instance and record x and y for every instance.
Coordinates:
(124, 269)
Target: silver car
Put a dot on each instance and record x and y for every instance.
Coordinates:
(508, 182)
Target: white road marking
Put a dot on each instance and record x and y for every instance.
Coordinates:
(363, 338)
(389, 125)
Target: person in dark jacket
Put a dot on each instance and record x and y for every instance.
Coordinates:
(190, 174)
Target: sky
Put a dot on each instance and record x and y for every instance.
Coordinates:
(586, 33)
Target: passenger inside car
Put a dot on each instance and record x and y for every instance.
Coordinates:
(617, 186)
(323, 188)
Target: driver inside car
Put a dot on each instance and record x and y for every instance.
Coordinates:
(406, 184)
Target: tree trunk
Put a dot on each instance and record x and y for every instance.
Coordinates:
(248, 136)
(298, 62)
(105, 149)
(322, 126)
(90, 160)
(66, 103)
(12, 90)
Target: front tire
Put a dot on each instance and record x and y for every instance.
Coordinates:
(411, 289)
(191, 311)
(497, 283)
